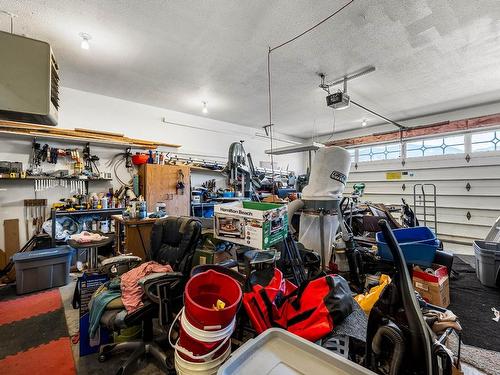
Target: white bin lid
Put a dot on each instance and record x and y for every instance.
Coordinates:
(277, 351)
(494, 233)
(30, 256)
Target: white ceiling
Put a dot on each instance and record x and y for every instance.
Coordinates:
(430, 56)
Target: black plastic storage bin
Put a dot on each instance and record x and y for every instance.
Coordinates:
(42, 269)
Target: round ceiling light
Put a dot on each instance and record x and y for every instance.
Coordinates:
(85, 40)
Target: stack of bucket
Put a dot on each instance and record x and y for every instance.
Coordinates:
(207, 321)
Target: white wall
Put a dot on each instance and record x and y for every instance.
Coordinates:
(197, 135)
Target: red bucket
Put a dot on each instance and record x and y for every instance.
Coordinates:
(201, 295)
(200, 322)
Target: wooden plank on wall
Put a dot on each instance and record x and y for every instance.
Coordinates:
(422, 131)
(99, 132)
(3, 262)
(12, 245)
(78, 134)
(11, 235)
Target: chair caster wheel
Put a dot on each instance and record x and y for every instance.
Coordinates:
(102, 358)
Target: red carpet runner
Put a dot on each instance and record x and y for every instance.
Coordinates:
(33, 336)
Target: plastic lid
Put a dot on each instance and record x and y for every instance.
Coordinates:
(494, 233)
(42, 254)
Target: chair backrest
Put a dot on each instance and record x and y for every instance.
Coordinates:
(174, 240)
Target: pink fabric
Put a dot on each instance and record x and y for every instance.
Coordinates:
(131, 291)
(86, 237)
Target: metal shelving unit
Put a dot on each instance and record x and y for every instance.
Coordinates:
(201, 206)
(41, 183)
(105, 212)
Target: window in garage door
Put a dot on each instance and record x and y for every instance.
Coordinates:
(436, 146)
(379, 152)
(488, 141)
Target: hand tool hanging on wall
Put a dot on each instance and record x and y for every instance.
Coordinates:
(180, 182)
(35, 213)
(35, 157)
(90, 160)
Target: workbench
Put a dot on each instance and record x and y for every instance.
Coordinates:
(133, 235)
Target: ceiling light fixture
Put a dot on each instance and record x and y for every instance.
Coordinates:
(205, 108)
(364, 122)
(85, 40)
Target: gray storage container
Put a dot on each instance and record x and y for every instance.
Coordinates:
(42, 269)
(487, 262)
(277, 351)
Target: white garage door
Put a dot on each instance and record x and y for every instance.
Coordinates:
(465, 169)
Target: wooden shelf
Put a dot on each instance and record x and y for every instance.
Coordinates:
(192, 167)
(20, 129)
(35, 178)
(102, 211)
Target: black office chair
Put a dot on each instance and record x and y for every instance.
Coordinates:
(173, 241)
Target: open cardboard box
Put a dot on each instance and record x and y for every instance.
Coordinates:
(435, 289)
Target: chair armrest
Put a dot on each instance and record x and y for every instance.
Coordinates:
(120, 258)
(118, 265)
(151, 282)
(159, 277)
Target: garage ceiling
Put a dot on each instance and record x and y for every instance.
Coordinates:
(430, 56)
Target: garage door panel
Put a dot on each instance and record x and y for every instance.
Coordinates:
(491, 203)
(453, 187)
(462, 230)
(460, 216)
(460, 173)
(451, 161)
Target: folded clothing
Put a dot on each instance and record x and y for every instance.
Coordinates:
(107, 294)
(86, 237)
(440, 321)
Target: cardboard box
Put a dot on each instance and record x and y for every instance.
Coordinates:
(434, 289)
(254, 224)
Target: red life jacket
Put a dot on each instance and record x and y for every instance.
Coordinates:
(311, 311)
(263, 303)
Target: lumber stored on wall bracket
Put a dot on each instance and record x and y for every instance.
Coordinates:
(422, 131)
(86, 135)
